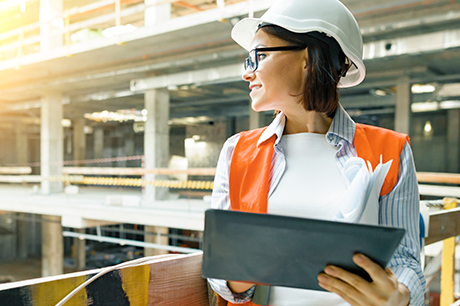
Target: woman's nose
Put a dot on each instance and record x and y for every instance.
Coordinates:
(248, 75)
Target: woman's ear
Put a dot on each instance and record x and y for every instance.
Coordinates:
(305, 58)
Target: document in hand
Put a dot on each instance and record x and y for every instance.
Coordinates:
(287, 251)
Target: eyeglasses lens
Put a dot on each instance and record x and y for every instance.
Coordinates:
(247, 63)
(250, 61)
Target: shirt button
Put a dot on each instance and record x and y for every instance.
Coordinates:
(329, 137)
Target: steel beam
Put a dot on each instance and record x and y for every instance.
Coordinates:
(416, 44)
(228, 73)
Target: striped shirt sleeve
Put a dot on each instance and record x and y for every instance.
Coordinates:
(221, 200)
(220, 191)
(401, 208)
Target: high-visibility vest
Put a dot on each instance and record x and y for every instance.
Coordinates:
(251, 165)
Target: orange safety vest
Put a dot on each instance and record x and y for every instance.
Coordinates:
(251, 165)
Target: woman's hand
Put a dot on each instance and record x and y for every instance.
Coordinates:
(238, 287)
(385, 290)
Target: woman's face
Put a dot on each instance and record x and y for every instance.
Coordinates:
(277, 84)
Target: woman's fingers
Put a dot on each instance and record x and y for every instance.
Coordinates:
(373, 269)
(389, 272)
(342, 289)
(383, 290)
(353, 280)
(384, 278)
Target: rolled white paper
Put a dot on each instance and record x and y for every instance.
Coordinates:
(361, 201)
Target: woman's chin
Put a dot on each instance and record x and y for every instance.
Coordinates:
(257, 107)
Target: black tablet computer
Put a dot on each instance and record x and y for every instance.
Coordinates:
(287, 251)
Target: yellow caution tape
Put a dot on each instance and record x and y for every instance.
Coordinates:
(138, 182)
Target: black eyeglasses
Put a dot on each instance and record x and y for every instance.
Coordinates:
(252, 61)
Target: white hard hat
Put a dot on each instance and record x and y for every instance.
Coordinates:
(330, 17)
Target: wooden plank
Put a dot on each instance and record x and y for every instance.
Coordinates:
(439, 191)
(443, 225)
(190, 6)
(448, 259)
(136, 171)
(15, 170)
(168, 280)
(20, 179)
(440, 178)
(170, 275)
(194, 194)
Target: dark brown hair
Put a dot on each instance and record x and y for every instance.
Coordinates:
(321, 76)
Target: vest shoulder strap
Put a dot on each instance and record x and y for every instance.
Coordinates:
(250, 165)
(372, 142)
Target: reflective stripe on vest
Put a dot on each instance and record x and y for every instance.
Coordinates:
(251, 165)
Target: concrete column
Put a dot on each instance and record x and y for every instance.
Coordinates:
(34, 231)
(155, 14)
(156, 140)
(403, 106)
(52, 141)
(8, 240)
(98, 143)
(52, 246)
(80, 252)
(129, 147)
(21, 144)
(21, 226)
(453, 140)
(119, 149)
(79, 139)
(156, 238)
(51, 21)
(22, 237)
(230, 127)
(255, 119)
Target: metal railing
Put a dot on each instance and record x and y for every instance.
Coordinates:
(24, 40)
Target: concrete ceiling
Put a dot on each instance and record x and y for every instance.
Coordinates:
(97, 76)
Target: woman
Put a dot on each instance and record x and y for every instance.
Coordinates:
(300, 52)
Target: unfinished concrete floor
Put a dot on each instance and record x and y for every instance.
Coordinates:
(23, 269)
(20, 269)
(95, 203)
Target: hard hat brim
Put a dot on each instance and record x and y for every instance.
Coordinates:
(244, 31)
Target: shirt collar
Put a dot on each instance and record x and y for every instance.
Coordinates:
(342, 126)
(275, 128)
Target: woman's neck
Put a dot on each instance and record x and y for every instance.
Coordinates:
(307, 122)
